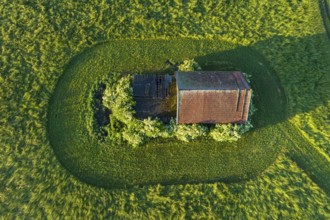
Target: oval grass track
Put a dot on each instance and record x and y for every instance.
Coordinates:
(164, 161)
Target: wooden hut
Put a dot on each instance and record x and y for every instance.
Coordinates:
(212, 97)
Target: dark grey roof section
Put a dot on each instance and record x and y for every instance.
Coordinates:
(211, 80)
(152, 94)
(151, 86)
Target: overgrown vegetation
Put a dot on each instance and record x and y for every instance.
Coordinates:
(39, 38)
(117, 97)
(189, 65)
(99, 117)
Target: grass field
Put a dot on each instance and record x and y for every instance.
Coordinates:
(162, 161)
(44, 44)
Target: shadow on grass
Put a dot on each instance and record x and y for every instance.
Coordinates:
(324, 6)
(269, 96)
(271, 101)
(169, 161)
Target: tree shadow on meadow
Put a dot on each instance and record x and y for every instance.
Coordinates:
(300, 62)
(269, 90)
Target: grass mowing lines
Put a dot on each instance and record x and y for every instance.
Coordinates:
(325, 12)
(162, 161)
(313, 160)
(283, 188)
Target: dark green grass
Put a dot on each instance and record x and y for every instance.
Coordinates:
(37, 40)
(315, 162)
(162, 161)
(325, 12)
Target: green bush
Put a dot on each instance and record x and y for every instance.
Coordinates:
(189, 65)
(118, 96)
(189, 132)
(229, 132)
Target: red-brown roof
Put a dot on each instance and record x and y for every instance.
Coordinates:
(212, 97)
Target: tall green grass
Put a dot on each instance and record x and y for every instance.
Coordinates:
(161, 160)
(38, 39)
(303, 71)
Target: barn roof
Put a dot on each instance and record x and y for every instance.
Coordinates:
(212, 97)
(211, 80)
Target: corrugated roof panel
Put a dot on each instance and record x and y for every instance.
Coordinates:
(210, 107)
(210, 80)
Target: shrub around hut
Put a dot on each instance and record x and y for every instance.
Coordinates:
(118, 99)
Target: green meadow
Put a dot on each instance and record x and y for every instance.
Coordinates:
(52, 53)
(162, 160)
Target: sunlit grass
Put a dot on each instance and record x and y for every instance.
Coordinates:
(38, 39)
(162, 160)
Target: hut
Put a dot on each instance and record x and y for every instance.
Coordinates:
(212, 97)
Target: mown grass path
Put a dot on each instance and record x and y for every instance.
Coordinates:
(163, 161)
(312, 160)
(325, 12)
